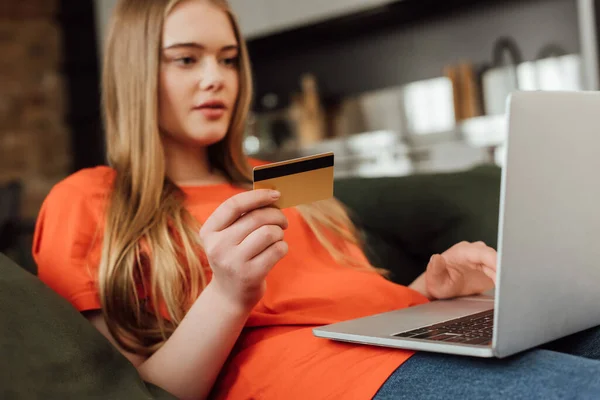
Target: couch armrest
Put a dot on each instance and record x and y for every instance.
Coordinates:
(51, 351)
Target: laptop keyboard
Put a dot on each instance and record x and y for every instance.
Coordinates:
(474, 329)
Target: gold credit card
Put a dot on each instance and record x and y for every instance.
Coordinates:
(300, 181)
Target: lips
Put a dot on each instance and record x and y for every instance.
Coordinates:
(211, 104)
(212, 109)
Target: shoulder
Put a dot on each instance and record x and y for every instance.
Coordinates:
(84, 192)
(72, 215)
(68, 235)
(88, 182)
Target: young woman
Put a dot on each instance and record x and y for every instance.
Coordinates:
(206, 287)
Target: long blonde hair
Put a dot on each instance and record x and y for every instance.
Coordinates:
(152, 266)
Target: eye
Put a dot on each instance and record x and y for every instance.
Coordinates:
(185, 61)
(231, 61)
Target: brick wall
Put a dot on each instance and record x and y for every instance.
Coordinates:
(34, 136)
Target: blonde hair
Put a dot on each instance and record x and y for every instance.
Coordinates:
(152, 266)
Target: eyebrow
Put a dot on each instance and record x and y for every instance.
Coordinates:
(199, 46)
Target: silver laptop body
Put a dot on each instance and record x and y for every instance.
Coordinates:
(548, 278)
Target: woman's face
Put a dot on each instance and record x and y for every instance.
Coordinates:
(199, 79)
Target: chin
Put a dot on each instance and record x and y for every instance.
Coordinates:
(206, 137)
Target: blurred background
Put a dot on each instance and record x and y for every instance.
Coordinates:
(394, 88)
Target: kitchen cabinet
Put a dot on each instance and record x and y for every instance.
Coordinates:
(262, 17)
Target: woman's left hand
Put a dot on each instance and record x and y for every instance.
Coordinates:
(464, 269)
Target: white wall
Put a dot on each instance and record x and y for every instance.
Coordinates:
(103, 11)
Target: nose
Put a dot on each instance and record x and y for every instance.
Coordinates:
(211, 76)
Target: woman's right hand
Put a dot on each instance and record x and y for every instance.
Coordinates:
(243, 240)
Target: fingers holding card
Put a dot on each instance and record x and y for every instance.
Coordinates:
(300, 181)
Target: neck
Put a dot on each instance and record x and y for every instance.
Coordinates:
(189, 166)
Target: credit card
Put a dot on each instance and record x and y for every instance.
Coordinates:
(300, 181)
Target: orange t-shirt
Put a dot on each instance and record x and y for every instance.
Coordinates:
(277, 356)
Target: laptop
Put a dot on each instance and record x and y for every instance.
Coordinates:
(548, 275)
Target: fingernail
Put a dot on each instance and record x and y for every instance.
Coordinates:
(275, 194)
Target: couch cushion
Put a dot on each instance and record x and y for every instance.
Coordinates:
(407, 219)
(50, 351)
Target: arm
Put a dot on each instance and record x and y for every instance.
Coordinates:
(243, 240)
(189, 362)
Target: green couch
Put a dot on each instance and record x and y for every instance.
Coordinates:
(49, 351)
(407, 220)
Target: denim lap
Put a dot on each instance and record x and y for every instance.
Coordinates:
(547, 373)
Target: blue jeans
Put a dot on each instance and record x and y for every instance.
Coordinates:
(568, 368)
